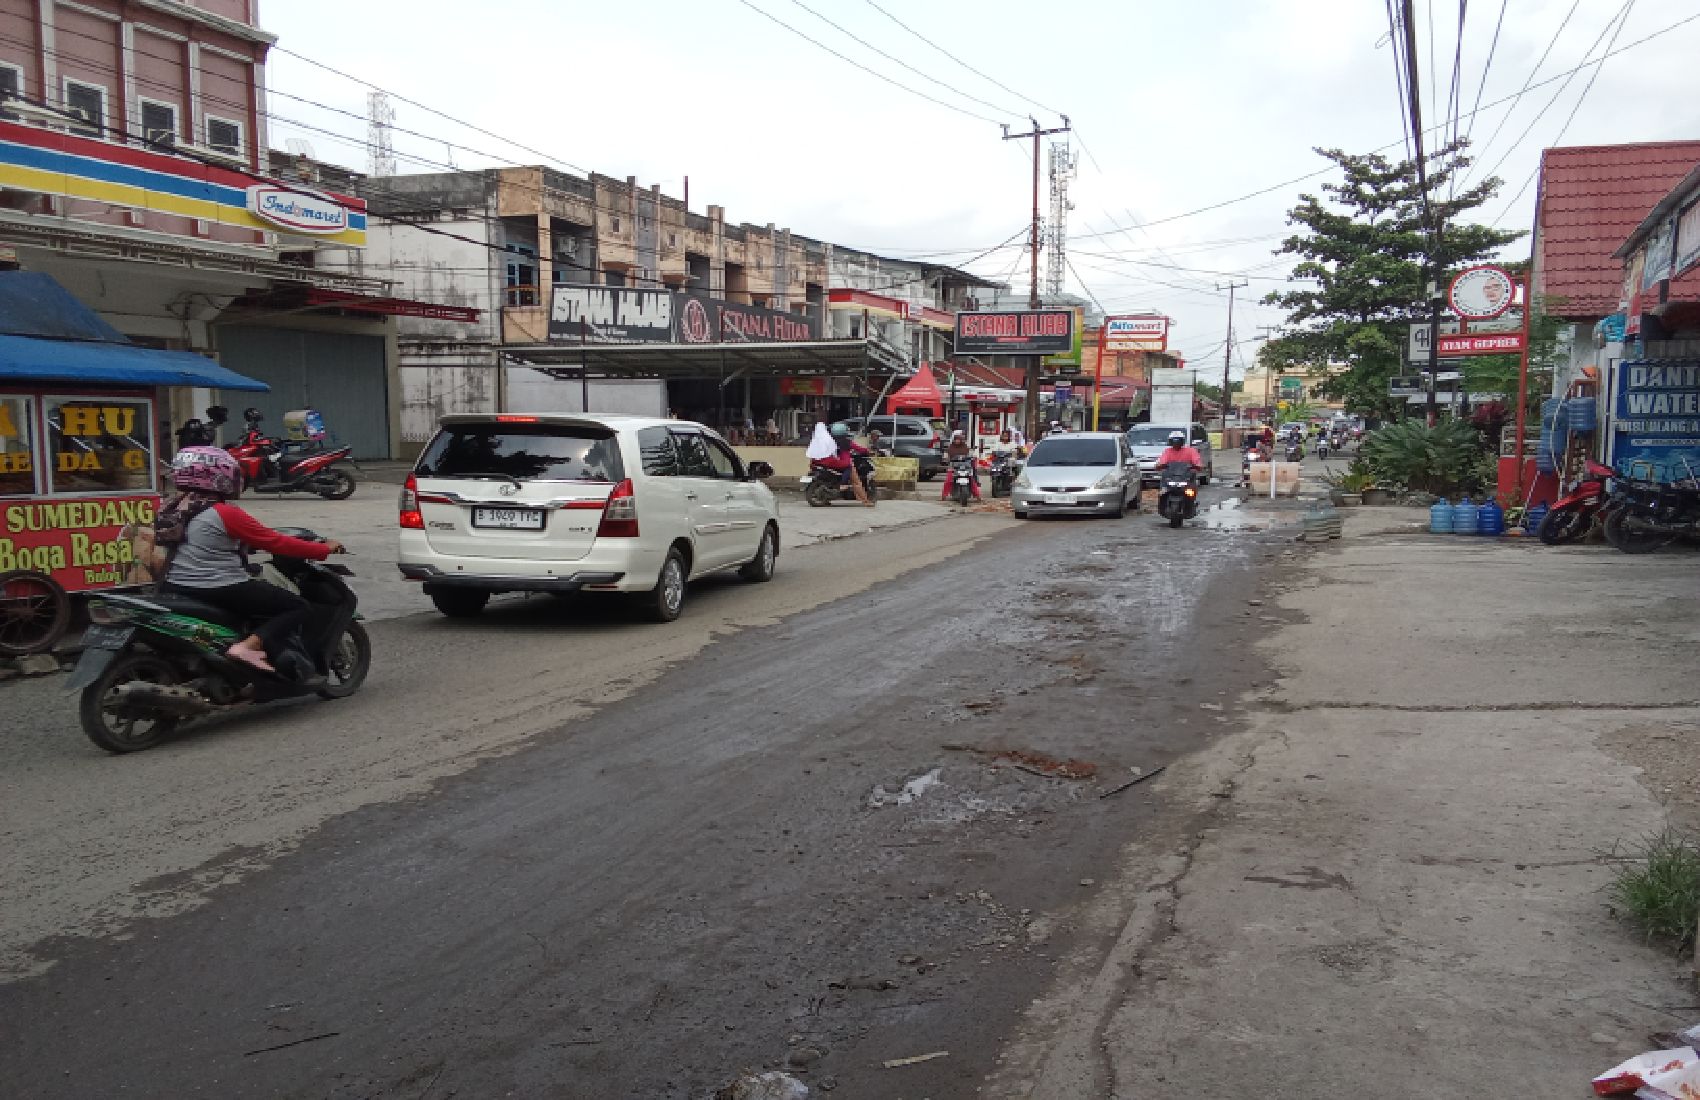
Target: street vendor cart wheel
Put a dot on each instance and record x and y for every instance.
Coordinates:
(34, 613)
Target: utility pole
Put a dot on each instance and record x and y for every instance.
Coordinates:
(1033, 244)
(1228, 351)
(1435, 227)
(1268, 373)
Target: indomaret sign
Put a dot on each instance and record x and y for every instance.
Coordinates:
(1015, 332)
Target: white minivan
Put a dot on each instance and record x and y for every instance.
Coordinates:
(598, 502)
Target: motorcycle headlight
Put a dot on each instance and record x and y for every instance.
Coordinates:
(1108, 481)
(1021, 481)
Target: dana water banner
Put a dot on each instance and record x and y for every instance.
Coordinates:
(1656, 418)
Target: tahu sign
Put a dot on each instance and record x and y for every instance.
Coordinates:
(1481, 292)
(1015, 332)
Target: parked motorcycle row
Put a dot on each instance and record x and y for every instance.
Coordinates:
(272, 466)
(1636, 516)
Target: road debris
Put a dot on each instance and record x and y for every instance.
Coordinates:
(1657, 1072)
(1033, 763)
(907, 793)
(771, 1085)
(897, 1063)
(1136, 780)
(291, 1043)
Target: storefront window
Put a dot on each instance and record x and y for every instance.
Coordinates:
(100, 444)
(17, 438)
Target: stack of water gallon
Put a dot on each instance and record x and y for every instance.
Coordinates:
(1466, 518)
(1321, 523)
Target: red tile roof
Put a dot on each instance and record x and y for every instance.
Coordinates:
(1591, 199)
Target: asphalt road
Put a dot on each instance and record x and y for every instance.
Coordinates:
(550, 853)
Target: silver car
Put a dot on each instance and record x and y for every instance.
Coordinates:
(1086, 473)
(1149, 440)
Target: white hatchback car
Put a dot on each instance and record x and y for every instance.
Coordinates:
(597, 502)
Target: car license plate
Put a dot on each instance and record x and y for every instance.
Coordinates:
(523, 519)
(1058, 498)
(106, 637)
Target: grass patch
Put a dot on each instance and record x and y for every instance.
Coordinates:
(1658, 889)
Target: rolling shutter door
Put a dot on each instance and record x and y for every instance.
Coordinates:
(340, 374)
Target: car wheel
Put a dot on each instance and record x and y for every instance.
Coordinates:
(760, 567)
(1019, 513)
(460, 603)
(666, 600)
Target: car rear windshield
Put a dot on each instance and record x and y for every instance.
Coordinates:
(524, 452)
(1074, 452)
(1153, 435)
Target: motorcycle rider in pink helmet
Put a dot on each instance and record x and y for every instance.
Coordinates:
(209, 562)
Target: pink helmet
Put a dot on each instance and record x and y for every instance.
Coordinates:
(208, 470)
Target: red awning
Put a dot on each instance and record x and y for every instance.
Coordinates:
(390, 307)
(921, 391)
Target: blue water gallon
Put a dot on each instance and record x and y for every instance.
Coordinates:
(1440, 518)
(1532, 519)
(1464, 517)
(1581, 413)
(1490, 519)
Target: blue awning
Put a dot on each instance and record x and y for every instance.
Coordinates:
(30, 360)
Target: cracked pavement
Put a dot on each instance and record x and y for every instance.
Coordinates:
(1391, 879)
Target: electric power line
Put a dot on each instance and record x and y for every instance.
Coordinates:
(904, 64)
(1643, 40)
(1493, 47)
(1528, 83)
(959, 61)
(1616, 20)
(1577, 106)
(871, 72)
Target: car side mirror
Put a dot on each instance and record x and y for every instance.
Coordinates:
(759, 469)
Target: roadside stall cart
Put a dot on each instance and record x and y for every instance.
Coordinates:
(81, 449)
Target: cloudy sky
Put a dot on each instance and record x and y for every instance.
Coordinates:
(1177, 108)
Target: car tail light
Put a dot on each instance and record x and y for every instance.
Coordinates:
(412, 519)
(509, 418)
(619, 516)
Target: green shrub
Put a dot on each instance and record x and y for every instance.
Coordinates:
(1658, 890)
(1446, 459)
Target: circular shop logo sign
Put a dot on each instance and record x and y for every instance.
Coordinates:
(694, 325)
(1480, 292)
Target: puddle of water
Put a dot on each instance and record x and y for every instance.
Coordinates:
(1231, 514)
(908, 793)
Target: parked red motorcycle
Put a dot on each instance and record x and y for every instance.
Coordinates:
(1572, 516)
(268, 467)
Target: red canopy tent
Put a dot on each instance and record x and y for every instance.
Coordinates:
(920, 396)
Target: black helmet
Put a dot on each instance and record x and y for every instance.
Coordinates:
(1177, 438)
(252, 415)
(218, 414)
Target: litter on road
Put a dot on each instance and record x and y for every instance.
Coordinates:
(896, 1063)
(1136, 780)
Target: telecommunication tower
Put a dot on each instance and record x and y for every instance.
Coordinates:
(379, 116)
(1064, 161)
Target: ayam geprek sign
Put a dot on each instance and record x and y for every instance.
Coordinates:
(82, 544)
(1015, 332)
